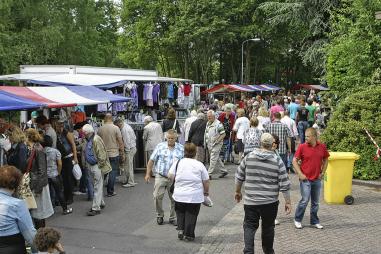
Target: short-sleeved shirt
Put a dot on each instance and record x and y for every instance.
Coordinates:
(311, 109)
(282, 131)
(312, 159)
(213, 131)
(52, 155)
(303, 114)
(293, 108)
(164, 157)
(241, 125)
(110, 134)
(188, 177)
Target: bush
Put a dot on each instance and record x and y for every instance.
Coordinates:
(345, 131)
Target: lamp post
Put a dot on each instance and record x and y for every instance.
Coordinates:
(255, 39)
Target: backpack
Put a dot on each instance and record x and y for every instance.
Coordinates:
(38, 173)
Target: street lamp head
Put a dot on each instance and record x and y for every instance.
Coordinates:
(255, 39)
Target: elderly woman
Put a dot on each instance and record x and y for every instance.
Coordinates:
(18, 155)
(252, 136)
(196, 136)
(39, 178)
(191, 187)
(15, 221)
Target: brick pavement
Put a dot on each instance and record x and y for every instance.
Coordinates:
(347, 229)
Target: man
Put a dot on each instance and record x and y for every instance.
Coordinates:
(214, 135)
(311, 112)
(112, 138)
(196, 136)
(284, 134)
(227, 119)
(310, 162)
(129, 139)
(152, 135)
(164, 155)
(44, 124)
(264, 175)
(96, 160)
(240, 126)
(302, 116)
(294, 134)
(188, 123)
(293, 108)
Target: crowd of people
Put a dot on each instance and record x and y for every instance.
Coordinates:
(272, 137)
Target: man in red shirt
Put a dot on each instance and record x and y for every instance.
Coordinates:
(310, 162)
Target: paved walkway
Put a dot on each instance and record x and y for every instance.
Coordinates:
(347, 229)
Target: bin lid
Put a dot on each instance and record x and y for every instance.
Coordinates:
(343, 156)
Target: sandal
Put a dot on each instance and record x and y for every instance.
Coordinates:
(67, 211)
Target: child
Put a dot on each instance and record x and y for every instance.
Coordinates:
(47, 240)
(54, 167)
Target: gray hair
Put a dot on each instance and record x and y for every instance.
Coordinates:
(267, 141)
(87, 129)
(148, 119)
(201, 116)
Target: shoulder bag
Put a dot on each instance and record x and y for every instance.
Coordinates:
(172, 188)
(24, 191)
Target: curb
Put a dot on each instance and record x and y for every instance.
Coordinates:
(373, 184)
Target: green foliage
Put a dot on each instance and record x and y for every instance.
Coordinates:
(354, 52)
(345, 132)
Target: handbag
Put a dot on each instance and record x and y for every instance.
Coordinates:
(172, 188)
(77, 172)
(24, 191)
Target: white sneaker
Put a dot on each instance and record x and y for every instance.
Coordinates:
(298, 225)
(318, 226)
(128, 185)
(276, 222)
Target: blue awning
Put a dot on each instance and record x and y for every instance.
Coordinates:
(9, 101)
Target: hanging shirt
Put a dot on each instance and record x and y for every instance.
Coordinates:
(187, 89)
(155, 93)
(149, 92)
(170, 91)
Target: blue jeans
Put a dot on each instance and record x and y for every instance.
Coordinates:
(114, 161)
(309, 189)
(302, 127)
(283, 156)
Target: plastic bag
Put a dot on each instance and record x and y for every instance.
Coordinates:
(77, 172)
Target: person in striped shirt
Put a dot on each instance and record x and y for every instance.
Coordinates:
(264, 174)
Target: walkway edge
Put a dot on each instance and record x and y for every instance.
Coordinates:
(374, 184)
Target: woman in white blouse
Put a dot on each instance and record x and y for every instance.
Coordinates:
(191, 187)
(263, 118)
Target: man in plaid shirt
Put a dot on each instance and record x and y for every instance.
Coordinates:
(283, 132)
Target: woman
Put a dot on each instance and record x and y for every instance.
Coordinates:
(240, 126)
(18, 154)
(191, 187)
(39, 179)
(252, 136)
(15, 221)
(171, 122)
(68, 150)
(263, 118)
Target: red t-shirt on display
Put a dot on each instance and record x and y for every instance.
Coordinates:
(311, 158)
(187, 89)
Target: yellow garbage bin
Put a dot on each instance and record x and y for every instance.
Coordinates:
(338, 178)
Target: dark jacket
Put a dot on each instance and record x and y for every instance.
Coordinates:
(168, 124)
(18, 156)
(38, 174)
(197, 132)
